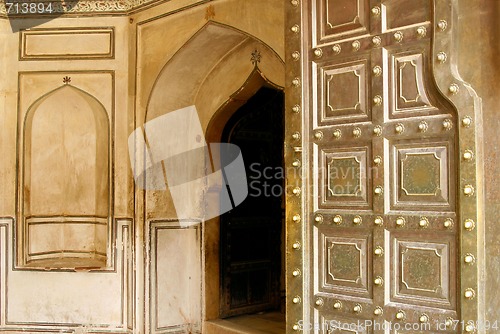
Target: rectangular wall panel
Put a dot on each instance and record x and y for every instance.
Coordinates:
(175, 277)
(83, 43)
(55, 300)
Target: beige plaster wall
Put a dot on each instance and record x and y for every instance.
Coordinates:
(157, 43)
(89, 211)
(202, 62)
(105, 79)
(155, 64)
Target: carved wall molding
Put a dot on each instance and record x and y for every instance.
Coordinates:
(88, 6)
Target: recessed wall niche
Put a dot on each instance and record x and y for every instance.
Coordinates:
(65, 181)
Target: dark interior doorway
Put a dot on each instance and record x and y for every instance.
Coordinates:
(251, 235)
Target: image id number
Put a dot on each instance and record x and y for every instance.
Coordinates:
(29, 8)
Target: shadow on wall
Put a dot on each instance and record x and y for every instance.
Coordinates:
(23, 9)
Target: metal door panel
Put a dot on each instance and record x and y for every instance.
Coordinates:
(375, 208)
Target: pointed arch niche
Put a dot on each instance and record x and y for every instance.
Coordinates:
(65, 182)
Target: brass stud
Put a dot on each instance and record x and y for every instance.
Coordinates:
(296, 82)
(295, 28)
(337, 219)
(469, 224)
(337, 305)
(318, 53)
(296, 272)
(296, 300)
(447, 124)
(379, 221)
(377, 70)
(379, 251)
(469, 328)
(377, 100)
(378, 311)
(294, 3)
(357, 308)
(379, 190)
(296, 218)
(424, 222)
(400, 221)
(336, 48)
(469, 293)
(448, 223)
(377, 130)
(442, 25)
(400, 128)
(337, 133)
(401, 315)
(357, 220)
(356, 132)
(296, 108)
(296, 55)
(466, 121)
(356, 45)
(453, 89)
(296, 245)
(296, 135)
(448, 322)
(318, 135)
(376, 40)
(296, 191)
(423, 318)
(423, 126)
(441, 57)
(376, 11)
(468, 155)
(378, 281)
(398, 36)
(421, 31)
(318, 218)
(296, 163)
(319, 302)
(377, 160)
(469, 259)
(468, 190)
(295, 327)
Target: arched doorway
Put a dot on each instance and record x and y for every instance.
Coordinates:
(251, 234)
(236, 67)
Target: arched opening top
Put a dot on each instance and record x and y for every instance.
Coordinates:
(209, 78)
(255, 81)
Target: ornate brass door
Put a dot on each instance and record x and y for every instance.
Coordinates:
(373, 236)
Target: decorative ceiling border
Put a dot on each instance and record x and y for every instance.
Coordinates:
(60, 7)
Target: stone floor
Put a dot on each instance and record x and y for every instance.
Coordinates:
(260, 323)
